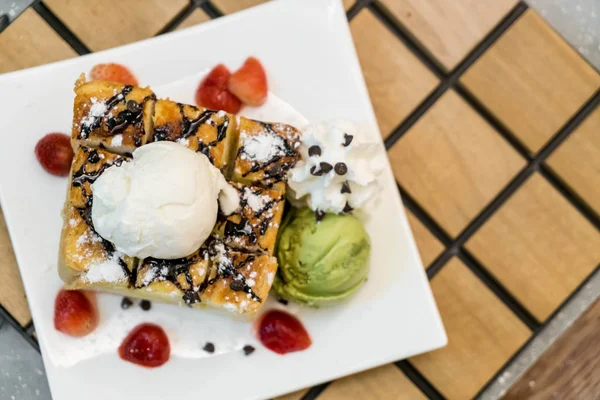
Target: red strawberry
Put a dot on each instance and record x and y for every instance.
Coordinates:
(74, 313)
(212, 92)
(249, 83)
(113, 73)
(55, 153)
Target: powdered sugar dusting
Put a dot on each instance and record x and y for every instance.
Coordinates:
(97, 110)
(106, 271)
(256, 201)
(263, 148)
(117, 140)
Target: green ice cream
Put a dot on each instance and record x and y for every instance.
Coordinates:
(321, 262)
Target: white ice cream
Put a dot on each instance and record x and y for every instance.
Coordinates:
(341, 144)
(162, 204)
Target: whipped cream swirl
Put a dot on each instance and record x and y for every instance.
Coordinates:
(339, 169)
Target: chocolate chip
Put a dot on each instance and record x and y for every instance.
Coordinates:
(248, 350)
(319, 215)
(133, 106)
(316, 172)
(283, 301)
(274, 171)
(190, 297)
(236, 285)
(326, 167)
(346, 188)
(347, 208)
(347, 140)
(145, 304)
(209, 347)
(126, 303)
(314, 151)
(341, 168)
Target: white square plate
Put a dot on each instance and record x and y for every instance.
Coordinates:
(307, 50)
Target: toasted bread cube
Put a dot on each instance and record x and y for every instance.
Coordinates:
(216, 275)
(253, 227)
(83, 252)
(112, 116)
(88, 164)
(212, 133)
(265, 153)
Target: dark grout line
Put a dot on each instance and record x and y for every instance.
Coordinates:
(572, 124)
(491, 119)
(60, 28)
(8, 318)
(441, 260)
(534, 164)
(416, 114)
(356, 8)
(537, 331)
(178, 19)
(424, 217)
(496, 287)
(29, 327)
(419, 380)
(407, 38)
(447, 80)
(210, 9)
(315, 391)
(576, 201)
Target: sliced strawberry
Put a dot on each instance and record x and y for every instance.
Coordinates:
(146, 345)
(249, 83)
(74, 313)
(212, 92)
(55, 153)
(113, 73)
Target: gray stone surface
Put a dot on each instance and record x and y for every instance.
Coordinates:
(22, 374)
(578, 21)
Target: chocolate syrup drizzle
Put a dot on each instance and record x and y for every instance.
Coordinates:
(274, 170)
(190, 128)
(129, 116)
(244, 228)
(169, 270)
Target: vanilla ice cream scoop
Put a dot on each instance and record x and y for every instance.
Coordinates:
(162, 204)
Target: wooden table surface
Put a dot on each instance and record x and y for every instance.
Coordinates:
(492, 126)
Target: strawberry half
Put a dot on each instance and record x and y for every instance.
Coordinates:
(213, 93)
(113, 73)
(54, 152)
(249, 83)
(74, 313)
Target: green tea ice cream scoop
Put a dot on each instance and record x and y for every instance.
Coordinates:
(321, 262)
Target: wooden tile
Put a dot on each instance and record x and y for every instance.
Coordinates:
(429, 246)
(231, 6)
(532, 80)
(293, 396)
(382, 383)
(109, 23)
(538, 246)
(12, 294)
(195, 18)
(453, 163)
(570, 368)
(396, 79)
(482, 334)
(449, 29)
(21, 45)
(577, 160)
